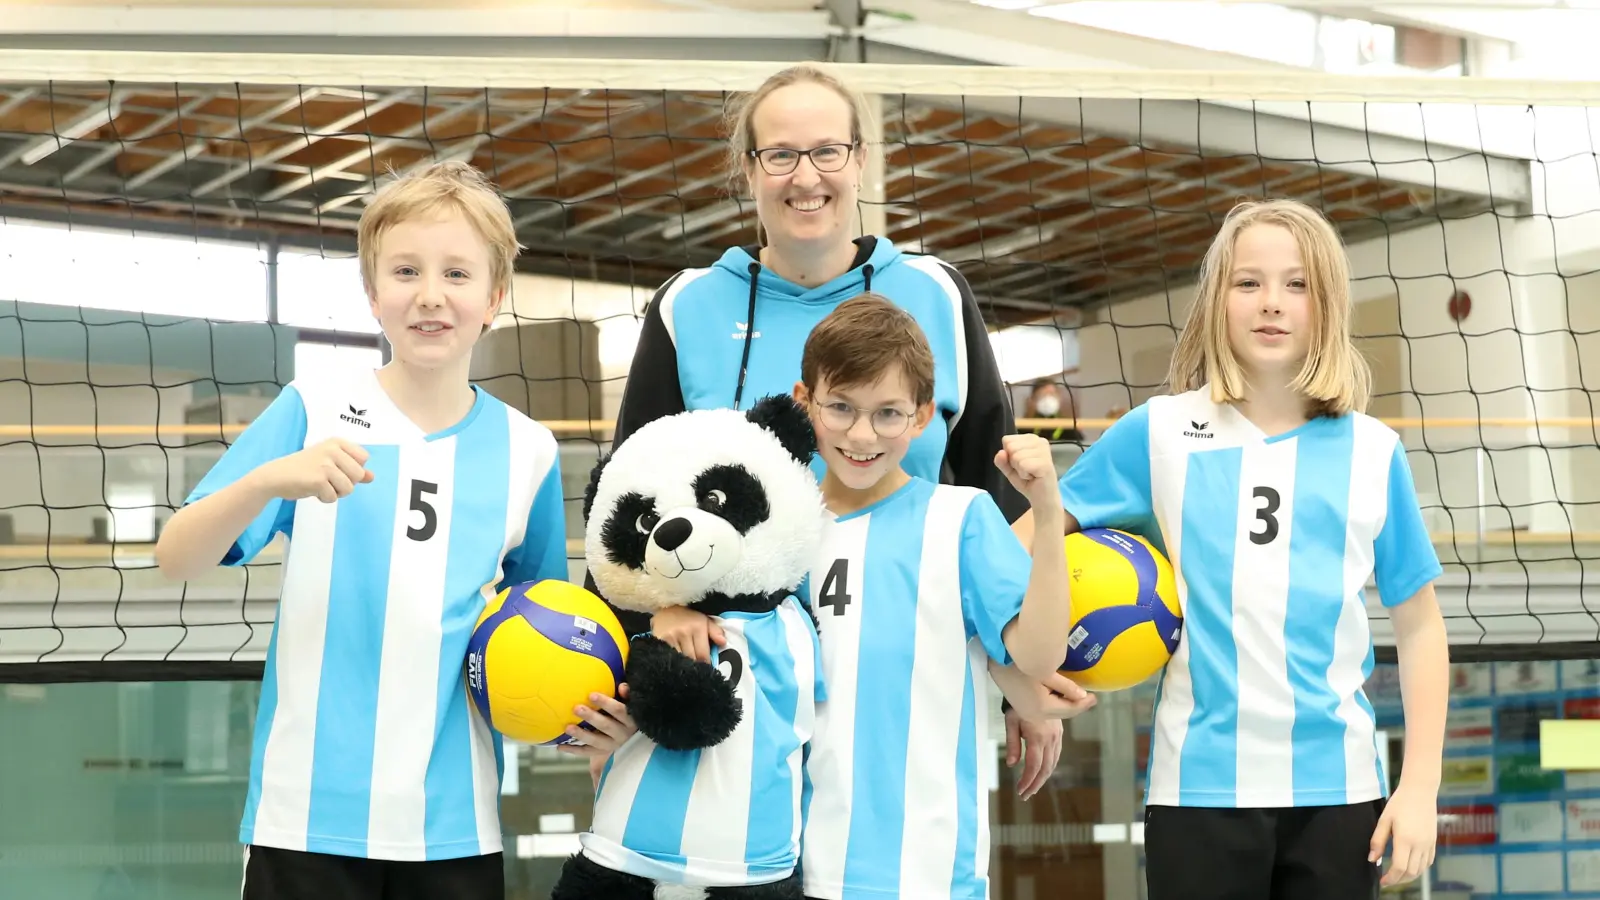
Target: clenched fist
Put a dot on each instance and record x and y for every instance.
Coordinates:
(326, 471)
(1028, 465)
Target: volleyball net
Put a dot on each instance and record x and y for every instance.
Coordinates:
(177, 242)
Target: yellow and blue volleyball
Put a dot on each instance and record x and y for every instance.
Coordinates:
(538, 650)
(1126, 618)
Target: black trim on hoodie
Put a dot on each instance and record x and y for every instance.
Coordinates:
(986, 416)
(653, 391)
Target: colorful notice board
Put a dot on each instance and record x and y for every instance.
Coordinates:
(1508, 828)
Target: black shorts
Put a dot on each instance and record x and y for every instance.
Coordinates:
(273, 874)
(1294, 853)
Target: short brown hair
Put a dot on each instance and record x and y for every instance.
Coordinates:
(861, 340)
(445, 185)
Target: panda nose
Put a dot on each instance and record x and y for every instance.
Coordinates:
(671, 534)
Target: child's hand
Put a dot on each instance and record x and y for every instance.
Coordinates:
(326, 471)
(688, 631)
(1411, 819)
(1026, 461)
(610, 727)
(1036, 745)
(1058, 697)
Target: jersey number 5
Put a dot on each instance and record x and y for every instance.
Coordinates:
(430, 519)
(834, 587)
(1267, 514)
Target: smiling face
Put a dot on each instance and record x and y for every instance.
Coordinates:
(432, 289)
(706, 502)
(1269, 303)
(864, 431)
(803, 204)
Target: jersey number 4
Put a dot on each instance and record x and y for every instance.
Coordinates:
(430, 519)
(835, 587)
(1267, 514)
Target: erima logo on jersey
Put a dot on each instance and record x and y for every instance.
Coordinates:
(1199, 430)
(744, 329)
(354, 417)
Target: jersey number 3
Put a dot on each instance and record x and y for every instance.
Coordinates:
(430, 518)
(1267, 514)
(835, 587)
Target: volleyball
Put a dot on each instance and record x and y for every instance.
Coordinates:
(1125, 613)
(538, 650)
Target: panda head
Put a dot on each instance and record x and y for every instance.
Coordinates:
(709, 506)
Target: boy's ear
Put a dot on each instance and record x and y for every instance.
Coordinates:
(783, 415)
(923, 416)
(493, 312)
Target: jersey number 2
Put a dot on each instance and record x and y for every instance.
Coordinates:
(735, 665)
(430, 519)
(834, 587)
(1267, 514)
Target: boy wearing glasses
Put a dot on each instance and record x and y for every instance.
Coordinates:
(921, 588)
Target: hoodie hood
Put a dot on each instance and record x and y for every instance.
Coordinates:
(769, 285)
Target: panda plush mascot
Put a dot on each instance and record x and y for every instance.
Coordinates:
(716, 510)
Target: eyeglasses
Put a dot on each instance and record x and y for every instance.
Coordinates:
(783, 160)
(887, 422)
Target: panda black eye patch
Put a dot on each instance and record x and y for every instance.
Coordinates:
(731, 492)
(627, 530)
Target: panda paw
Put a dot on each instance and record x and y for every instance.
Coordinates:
(679, 703)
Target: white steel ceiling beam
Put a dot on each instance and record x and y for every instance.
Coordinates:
(441, 21)
(963, 30)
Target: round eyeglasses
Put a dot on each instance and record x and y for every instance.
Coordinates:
(887, 422)
(783, 160)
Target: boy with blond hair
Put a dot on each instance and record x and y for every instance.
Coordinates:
(371, 774)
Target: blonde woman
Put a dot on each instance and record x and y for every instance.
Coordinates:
(726, 335)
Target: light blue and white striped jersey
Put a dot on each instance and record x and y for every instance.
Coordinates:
(729, 814)
(912, 595)
(1262, 704)
(366, 743)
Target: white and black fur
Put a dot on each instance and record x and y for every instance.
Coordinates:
(697, 509)
(684, 515)
(701, 510)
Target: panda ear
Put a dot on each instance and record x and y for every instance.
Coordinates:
(782, 415)
(594, 485)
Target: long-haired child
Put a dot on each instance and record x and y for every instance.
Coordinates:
(1277, 498)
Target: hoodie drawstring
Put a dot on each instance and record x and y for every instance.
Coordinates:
(749, 333)
(750, 323)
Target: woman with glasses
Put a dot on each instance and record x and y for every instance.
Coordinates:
(726, 335)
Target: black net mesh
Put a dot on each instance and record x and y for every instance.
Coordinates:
(172, 253)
